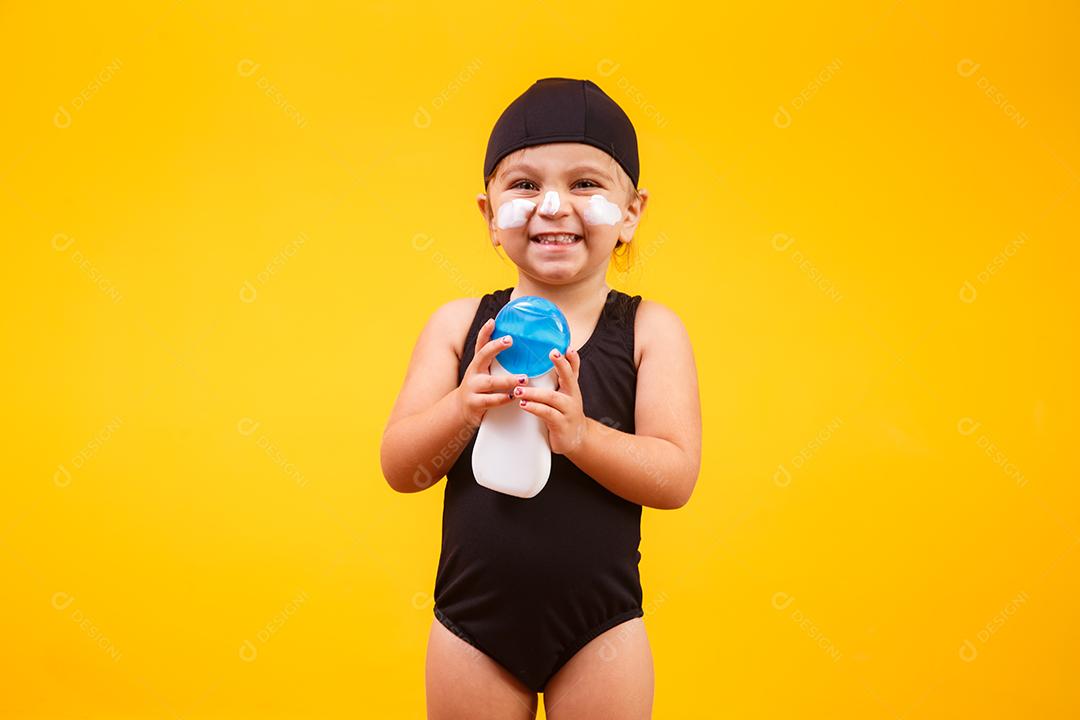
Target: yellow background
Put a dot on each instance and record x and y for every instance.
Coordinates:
(216, 264)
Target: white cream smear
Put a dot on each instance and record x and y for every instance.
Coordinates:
(601, 211)
(515, 213)
(550, 206)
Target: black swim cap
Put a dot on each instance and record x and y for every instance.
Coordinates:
(564, 110)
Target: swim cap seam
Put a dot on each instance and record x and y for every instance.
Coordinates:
(585, 118)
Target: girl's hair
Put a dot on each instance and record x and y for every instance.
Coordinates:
(632, 195)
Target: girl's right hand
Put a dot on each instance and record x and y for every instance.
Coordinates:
(479, 389)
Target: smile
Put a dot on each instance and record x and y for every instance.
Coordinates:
(556, 239)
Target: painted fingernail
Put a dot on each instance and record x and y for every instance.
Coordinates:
(523, 379)
(517, 391)
(506, 339)
(555, 353)
(522, 403)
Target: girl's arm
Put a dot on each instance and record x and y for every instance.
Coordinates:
(658, 465)
(427, 430)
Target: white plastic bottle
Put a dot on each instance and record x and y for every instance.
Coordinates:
(512, 453)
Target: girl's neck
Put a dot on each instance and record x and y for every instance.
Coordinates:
(574, 297)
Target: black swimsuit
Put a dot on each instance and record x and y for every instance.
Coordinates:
(529, 582)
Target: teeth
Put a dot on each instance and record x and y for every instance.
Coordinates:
(551, 239)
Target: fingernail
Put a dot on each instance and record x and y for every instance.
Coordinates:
(506, 339)
(517, 391)
(522, 379)
(555, 353)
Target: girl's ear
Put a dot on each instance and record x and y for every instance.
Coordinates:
(485, 209)
(633, 215)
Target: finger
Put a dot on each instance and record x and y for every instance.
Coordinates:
(567, 381)
(499, 383)
(480, 403)
(544, 412)
(483, 337)
(575, 362)
(484, 334)
(552, 398)
(488, 400)
(482, 360)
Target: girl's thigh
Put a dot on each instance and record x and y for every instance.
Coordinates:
(463, 683)
(611, 677)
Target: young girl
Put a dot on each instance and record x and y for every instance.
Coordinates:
(543, 594)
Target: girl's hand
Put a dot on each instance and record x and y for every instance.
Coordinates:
(479, 390)
(561, 409)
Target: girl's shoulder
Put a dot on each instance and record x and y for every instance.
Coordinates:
(453, 319)
(656, 326)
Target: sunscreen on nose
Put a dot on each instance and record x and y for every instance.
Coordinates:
(550, 206)
(515, 213)
(601, 211)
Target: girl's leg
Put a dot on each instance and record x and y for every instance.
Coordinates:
(463, 683)
(611, 677)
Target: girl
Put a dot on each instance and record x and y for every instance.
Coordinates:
(543, 594)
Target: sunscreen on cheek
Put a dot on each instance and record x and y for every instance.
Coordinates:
(600, 211)
(515, 213)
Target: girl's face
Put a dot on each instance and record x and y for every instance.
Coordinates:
(547, 190)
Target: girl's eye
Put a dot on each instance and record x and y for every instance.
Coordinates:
(518, 185)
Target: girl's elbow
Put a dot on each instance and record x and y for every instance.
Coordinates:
(402, 483)
(680, 492)
(390, 476)
(406, 479)
(391, 469)
(679, 500)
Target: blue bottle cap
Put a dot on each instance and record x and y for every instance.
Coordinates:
(537, 325)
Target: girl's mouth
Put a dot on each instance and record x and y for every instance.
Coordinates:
(556, 239)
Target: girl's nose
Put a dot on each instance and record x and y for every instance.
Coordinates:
(550, 206)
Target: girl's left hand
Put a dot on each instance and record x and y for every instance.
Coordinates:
(561, 409)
